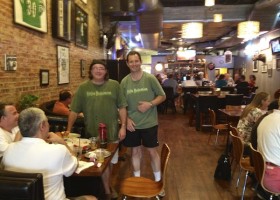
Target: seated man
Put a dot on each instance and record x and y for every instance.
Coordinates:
(61, 107)
(9, 131)
(35, 154)
(268, 139)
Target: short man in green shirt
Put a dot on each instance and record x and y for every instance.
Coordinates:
(101, 101)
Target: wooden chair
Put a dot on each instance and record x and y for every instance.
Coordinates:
(141, 187)
(216, 127)
(259, 165)
(244, 162)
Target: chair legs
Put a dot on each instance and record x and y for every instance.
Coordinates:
(244, 186)
(217, 135)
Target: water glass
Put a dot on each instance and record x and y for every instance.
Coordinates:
(100, 155)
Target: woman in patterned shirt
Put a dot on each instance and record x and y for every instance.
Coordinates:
(250, 115)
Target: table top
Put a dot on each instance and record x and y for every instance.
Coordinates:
(98, 171)
(232, 112)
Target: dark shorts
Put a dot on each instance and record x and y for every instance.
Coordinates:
(146, 137)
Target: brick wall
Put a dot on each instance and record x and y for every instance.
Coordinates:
(36, 50)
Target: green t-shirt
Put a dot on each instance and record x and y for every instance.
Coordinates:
(99, 104)
(145, 89)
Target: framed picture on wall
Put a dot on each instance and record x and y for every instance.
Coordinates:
(31, 14)
(62, 17)
(278, 64)
(83, 68)
(269, 71)
(63, 64)
(264, 68)
(81, 27)
(44, 77)
(255, 66)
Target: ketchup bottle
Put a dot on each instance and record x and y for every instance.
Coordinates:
(102, 135)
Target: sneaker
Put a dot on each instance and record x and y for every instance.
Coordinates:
(114, 194)
(162, 193)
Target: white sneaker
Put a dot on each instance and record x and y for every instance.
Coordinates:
(162, 193)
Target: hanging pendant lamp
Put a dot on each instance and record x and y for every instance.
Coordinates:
(248, 29)
(192, 30)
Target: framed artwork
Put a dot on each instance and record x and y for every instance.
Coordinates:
(278, 64)
(264, 68)
(81, 27)
(83, 68)
(10, 62)
(255, 66)
(62, 17)
(269, 71)
(32, 14)
(63, 64)
(44, 77)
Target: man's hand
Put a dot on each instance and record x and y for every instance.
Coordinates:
(130, 125)
(143, 106)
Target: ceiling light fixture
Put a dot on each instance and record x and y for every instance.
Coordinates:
(218, 17)
(209, 3)
(192, 30)
(159, 66)
(248, 29)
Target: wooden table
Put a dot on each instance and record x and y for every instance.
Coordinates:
(232, 115)
(89, 180)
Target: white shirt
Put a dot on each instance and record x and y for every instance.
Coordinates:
(34, 155)
(269, 137)
(6, 138)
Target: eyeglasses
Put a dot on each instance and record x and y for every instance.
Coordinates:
(99, 68)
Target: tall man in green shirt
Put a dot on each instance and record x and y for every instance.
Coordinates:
(143, 93)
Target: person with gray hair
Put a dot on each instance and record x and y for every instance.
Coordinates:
(44, 152)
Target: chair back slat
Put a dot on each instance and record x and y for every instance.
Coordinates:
(238, 147)
(164, 158)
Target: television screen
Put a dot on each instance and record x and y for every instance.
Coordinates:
(186, 55)
(275, 45)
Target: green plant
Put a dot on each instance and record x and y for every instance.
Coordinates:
(26, 101)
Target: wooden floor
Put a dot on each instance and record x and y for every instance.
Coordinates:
(191, 165)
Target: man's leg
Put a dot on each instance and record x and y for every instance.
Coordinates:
(155, 162)
(136, 160)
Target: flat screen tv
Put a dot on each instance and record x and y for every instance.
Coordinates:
(186, 55)
(275, 45)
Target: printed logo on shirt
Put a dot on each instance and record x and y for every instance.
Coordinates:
(90, 94)
(137, 90)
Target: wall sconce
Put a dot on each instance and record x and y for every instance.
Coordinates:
(218, 17)
(192, 30)
(209, 3)
(248, 29)
(159, 66)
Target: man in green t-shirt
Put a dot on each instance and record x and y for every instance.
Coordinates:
(143, 93)
(101, 101)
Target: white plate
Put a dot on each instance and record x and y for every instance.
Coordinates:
(106, 153)
(76, 135)
(75, 141)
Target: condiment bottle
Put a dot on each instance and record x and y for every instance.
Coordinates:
(102, 135)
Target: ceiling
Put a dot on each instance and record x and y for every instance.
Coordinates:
(160, 22)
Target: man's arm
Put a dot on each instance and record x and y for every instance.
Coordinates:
(123, 117)
(71, 120)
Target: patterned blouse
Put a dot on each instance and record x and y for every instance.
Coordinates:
(246, 124)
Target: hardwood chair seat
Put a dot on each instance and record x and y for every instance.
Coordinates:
(141, 187)
(244, 162)
(215, 126)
